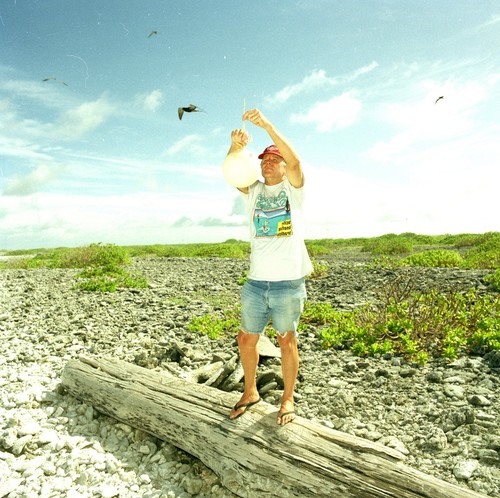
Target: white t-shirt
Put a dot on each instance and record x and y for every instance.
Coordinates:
(278, 251)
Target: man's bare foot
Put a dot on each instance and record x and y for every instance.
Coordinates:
(286, 413)
(242, 406)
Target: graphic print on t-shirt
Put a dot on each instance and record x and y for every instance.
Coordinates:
(272, 216)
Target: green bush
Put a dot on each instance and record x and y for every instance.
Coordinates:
(319, 269)
(472, 239)
(317, 313)
(79, 257)
(215, 326)
(389, 245)
(494, 280)
(109, 278)
(232, 248)
(439, 258)
(416, 327)
(486, 253)
(98, 255)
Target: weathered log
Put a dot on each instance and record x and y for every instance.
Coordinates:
(252, 455)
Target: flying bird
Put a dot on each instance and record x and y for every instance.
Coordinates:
(190, 108)
(152, 33)
(55, 79)
(438, 99)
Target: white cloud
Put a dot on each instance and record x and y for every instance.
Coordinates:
(83, 119)
(48, 220)
(421, 120)
(359, 72)
(317, 79)
(20, 149)
(49, 94)
(314, 80)
(150, 101)
(338, 112)
(192, 144)
(434, 201)
(494, 19)
(32, 182)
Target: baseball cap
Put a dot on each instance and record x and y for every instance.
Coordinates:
(272, 149)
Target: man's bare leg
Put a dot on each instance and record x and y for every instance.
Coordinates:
(249, 357)
(290, 370)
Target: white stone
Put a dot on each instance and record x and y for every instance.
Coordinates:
(28, 427)
(108, 491)
(9, 485)
(48, 436)
(464, 469)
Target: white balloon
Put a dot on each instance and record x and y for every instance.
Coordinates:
(239, 169)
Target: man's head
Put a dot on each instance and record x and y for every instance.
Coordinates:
(272, 165)
(271, 149)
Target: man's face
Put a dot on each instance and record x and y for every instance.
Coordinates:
(272, 167)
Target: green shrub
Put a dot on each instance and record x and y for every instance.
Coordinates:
(486, 253)
(472, 239)
(99, 255)
(79, 257)
(216, 326)
(232, 248)
(389, 245)
(109, 279)
(494, 280)
(319, 269)
(438, 258)
(416, 327)
(318, 313)
(103, 270)
(386, 262)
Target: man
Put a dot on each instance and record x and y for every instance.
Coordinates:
(275, 287)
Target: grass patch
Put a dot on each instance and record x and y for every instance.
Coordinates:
(477, 250)
(494, 280)
(79, 257)
(437, 258)
(216, 326)
(230, 249)
(485, 252)
(390, 244)
(109, 278)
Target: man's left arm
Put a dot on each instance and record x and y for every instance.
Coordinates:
(293, 170)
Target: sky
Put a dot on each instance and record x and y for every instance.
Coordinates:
(92, 149)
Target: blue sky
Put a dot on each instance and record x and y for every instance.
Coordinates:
(97, 152)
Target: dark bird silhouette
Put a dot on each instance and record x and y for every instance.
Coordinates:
(191, 108)
(438, 99)
(152, 33)
(55, 79)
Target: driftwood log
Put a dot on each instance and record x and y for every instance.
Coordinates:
(252, 455)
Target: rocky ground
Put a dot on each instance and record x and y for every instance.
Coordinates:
(443, 416)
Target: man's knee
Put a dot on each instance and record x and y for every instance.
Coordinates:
(287, 339)
(247, 340)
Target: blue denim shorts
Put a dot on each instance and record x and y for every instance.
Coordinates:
(282, 302)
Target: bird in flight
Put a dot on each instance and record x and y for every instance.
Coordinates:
(190, 108)
(438, 99)
(152, 33)
(55, 79)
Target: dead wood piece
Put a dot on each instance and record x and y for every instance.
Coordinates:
(252, 455)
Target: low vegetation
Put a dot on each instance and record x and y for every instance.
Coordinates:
(411, 324)
(418, 327)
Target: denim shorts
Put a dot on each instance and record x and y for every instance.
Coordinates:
(282, 302)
